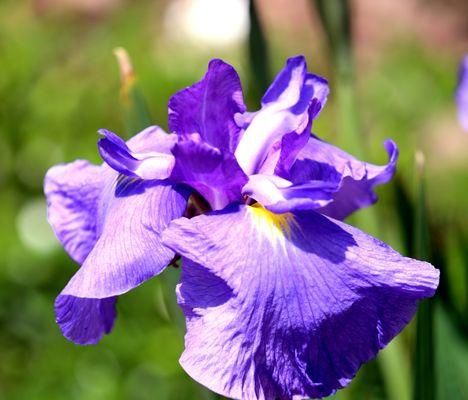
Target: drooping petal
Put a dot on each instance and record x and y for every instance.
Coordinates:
(209, 106)
(462, 93)
(147, 164)
(73, 192)
(319, 160)
(85, 321)
(280, 195)
(288, 307)
(128, 252)
(212, 172)
(285, 110)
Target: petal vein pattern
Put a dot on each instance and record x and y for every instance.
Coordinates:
(321, 161)
(111, 224)
(208, 107)
(269, 319)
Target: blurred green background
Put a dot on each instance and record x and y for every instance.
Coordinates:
(392, 75)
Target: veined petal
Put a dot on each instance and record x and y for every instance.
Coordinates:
(462, 93)
(285, 109)
(319, 160)
(128, 252)
(280, 195)
(147, 164)
(209, 106)
(288, 307)
(73, 191)
(212, 172)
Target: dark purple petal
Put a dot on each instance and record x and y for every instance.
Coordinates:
(213, 173)
(280, 195)
(462, 93)
(73, 192)
(294, 98)
(128, 252)
(148, 163)
(85, 321)
(209, 106)
(282, 307)
(319, 160)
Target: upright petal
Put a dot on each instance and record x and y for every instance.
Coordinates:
(73, 192)
(288, 307)
(285, 109)
(319, 160)
(147, 164)
(214, 173)
(209, 106)
(461, 95)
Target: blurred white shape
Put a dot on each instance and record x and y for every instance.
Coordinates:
(210, 22)
(33, 228)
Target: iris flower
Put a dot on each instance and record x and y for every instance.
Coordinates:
(461, 95)
(282, 300)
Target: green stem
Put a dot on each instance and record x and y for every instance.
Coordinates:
(424, 371)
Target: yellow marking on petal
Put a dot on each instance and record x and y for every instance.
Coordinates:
(275, 227)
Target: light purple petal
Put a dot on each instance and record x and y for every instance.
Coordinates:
(111, 224)
(208, 107)
(149, 163)
(73, 192)
(280, 195)
(462, 93)
(212, 172)
(128, 252)
(319, 160)
(285, 110)
(288, 307)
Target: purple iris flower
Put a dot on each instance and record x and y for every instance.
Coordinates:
(282, 300)
(461, 95)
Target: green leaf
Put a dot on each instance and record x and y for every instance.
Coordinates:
(258, 53)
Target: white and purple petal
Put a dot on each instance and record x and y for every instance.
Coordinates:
(461, 95)
(280, 195)
(209, 106)
(319, 160)
(285, 110)
(288, 307)
(153, 162)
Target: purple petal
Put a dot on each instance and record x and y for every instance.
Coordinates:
(73, 192)
(462, 93)
(85, 321)
(209, 106)
(282, 307)
(319, 160)
(285, 109)
(112, 224)
(214, 173)
(280, 195)
(150, 163)
(128, 252)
